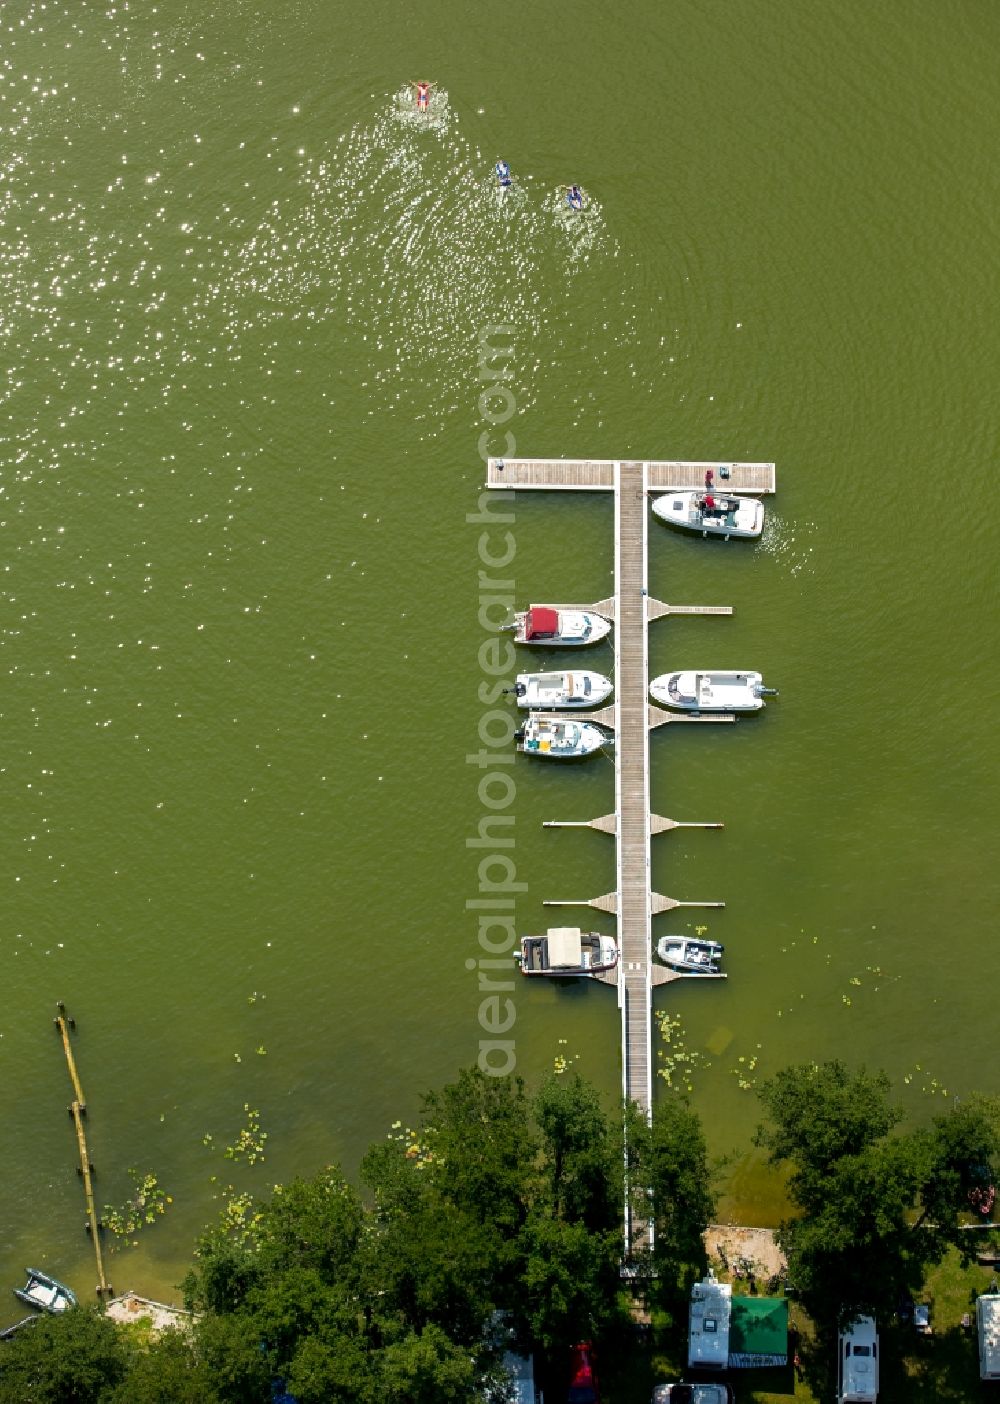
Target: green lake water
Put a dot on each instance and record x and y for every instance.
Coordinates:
(241, 293)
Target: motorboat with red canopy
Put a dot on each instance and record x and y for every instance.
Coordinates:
(547, 626)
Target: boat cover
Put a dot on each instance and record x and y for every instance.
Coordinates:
(542, 622)
(565, 946)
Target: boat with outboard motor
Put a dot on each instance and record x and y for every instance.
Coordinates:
(566, 950)
(690, 954)
(550, 691)
(711, 691)
(45, 1292)
(549, 627)
(711, 513)
(559, 739)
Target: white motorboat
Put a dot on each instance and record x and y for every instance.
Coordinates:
(566, 950)
(555, 690)
(45, 1292)
(558, 739)
(711, 692)
(548, 627)
(711, 513)
(689, 954)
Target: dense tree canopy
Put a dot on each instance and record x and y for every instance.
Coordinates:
(74, 1359)
(496, 1219)
(877, 1206)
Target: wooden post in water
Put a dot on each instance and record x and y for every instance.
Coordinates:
(77, 1110)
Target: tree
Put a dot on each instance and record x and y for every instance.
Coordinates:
(226, 1270)
(961, 1150)
(332, 1371)
(166, 1371)
(582, 1154)
(855, 1251)
(425, 1258)
(483, 1147)
(69, 1359)
(289, 1307)
(427, 1368)
(568, 1281)
(312, 1224)
(821, 1113)
(857, 1245)
(432, 1265)
(670, 1161)
(231, 1348)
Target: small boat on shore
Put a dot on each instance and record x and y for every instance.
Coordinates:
(711, 692)
(556, 739)
(557, 690)
(711, 513)
(689, 954)
(548, 627)
(566, 950)
(45, 1292)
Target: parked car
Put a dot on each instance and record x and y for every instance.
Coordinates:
(693, 1394)
(583, 1387)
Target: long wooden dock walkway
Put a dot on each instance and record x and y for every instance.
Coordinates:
(632, 784)
(633, 822)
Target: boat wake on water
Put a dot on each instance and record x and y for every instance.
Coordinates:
(784, 541)
(412, 240)
(584, 229)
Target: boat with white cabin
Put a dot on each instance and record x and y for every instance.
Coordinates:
(566, 950)
(547, 626)
(711, 513)
(45, 1292)
(719, 691)
(558, 738)
(690, 954)
(548, 691)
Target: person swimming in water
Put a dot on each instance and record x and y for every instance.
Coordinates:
(503, 174)
(574, 197)
(423, 95)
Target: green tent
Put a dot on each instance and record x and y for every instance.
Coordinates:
(758, 1332)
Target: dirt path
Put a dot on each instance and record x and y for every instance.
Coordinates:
(730, 1244)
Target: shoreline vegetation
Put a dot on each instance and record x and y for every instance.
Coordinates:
(496, 1223)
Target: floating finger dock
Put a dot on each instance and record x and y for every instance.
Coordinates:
(633, 902)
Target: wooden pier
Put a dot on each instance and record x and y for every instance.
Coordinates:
(590, 474)
(633, 903)
(77, 1110)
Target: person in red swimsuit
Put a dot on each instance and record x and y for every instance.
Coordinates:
(423, 92)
